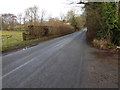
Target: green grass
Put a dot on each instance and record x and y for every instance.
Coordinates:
(9, 39)
(14, 40)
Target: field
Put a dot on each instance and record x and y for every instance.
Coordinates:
(9, 39)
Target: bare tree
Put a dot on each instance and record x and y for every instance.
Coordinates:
(9, 21)
(42, 15)
(20, 19)
(62, 17)
(31, 15)
(70, 15)
(24, 20)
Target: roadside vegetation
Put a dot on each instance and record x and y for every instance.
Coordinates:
(103, 23)
(31, 28)
(10, 38)
(101, 19)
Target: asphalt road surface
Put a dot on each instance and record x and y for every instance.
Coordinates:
(63, 62)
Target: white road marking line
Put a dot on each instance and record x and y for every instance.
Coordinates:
(34, 58)
(17, 68)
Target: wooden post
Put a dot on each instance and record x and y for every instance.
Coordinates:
(24, 36)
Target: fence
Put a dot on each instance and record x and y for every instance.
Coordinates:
(10, 40)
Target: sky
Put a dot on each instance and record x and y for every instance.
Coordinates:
(53, 8)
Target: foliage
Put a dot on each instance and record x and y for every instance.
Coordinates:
(50, 28)
(103, 21)
(99, 34)
(110, 17)
(93, 19)
(78, 22)
(81, 21)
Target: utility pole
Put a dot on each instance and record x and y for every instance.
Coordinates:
(1, 22)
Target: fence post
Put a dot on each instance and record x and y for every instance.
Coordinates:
(24, 36)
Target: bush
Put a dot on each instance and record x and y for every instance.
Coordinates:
(49, 29)
(102, 44)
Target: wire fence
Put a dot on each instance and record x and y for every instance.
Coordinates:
(10, 40)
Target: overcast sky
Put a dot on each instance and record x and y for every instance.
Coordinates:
(54, 8)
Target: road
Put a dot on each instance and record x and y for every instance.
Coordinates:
(63, 62)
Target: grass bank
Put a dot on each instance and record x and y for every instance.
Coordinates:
(12, 40)
(8, 39)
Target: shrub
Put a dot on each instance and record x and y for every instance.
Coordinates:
(49, 29)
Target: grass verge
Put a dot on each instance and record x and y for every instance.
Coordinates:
(28, 43)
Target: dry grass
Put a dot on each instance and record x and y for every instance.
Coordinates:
(99, 43)
(102, 44)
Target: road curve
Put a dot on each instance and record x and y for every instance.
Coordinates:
(57, 63)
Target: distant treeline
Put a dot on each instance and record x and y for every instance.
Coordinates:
(32, 16)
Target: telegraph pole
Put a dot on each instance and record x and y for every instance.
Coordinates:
(1, 22)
